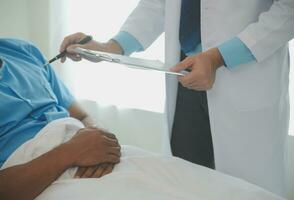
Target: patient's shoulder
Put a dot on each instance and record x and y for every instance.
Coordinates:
(23, 47)
(15, 44)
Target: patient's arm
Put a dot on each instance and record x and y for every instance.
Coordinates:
(100, 170)
(28, 180)
(76, 111)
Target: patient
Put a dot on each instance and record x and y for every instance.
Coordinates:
(40, 143)
(32, 96)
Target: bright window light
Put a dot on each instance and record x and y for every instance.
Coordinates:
(107, 83)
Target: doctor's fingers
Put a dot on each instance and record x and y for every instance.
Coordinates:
(71, 48)
(74, 57)
(189, 79)
(68, 41)
(70, 53)
(196, 87)
(186, 63)
(71, 39)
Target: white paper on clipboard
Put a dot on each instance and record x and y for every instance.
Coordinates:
(138, 63)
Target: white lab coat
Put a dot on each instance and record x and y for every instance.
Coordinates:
(248, 106)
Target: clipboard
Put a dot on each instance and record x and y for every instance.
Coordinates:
(138, 63)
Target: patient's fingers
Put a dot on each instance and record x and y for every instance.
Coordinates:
(80, 172)
(89, 172)
(108, 170)
(110, 158)
(99, 171)
(110, 135)
(94, 171)
(112, 142)
(115, 151)
(102, 170)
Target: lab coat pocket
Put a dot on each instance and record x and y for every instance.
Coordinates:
(255, 87)
(251, 99)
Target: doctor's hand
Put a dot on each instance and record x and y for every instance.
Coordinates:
(69, 43)
(203, 69)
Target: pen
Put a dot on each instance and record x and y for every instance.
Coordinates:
(83, 41)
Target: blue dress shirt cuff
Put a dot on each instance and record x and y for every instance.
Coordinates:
(196, 51)
(235, 52)
(128, 43)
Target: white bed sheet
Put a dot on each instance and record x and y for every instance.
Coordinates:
(139, 175)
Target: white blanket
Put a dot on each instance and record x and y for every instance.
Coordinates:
(139, 175)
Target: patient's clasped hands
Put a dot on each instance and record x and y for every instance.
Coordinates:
(93, 151)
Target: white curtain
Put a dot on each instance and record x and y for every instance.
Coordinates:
(291, 88)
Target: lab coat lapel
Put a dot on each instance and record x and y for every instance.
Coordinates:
(172, 57)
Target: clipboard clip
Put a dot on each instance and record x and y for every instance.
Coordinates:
(108, 58)
(103, 57)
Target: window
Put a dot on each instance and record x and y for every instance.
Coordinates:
(108, 83)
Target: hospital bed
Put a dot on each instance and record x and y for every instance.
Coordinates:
(140, 175)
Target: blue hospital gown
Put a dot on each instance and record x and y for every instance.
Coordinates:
(30, 95)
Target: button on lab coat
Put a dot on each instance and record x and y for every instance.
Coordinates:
(249, 105)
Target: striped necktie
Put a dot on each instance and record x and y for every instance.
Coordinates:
(189, 34)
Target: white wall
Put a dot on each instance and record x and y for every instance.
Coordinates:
(291, 130)
(38, 21)
(290, 167)
(26, 19)
(14, 19)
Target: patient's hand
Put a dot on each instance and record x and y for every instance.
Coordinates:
(94, 171)
(92, 146)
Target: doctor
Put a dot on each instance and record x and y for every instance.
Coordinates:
(237, 51)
